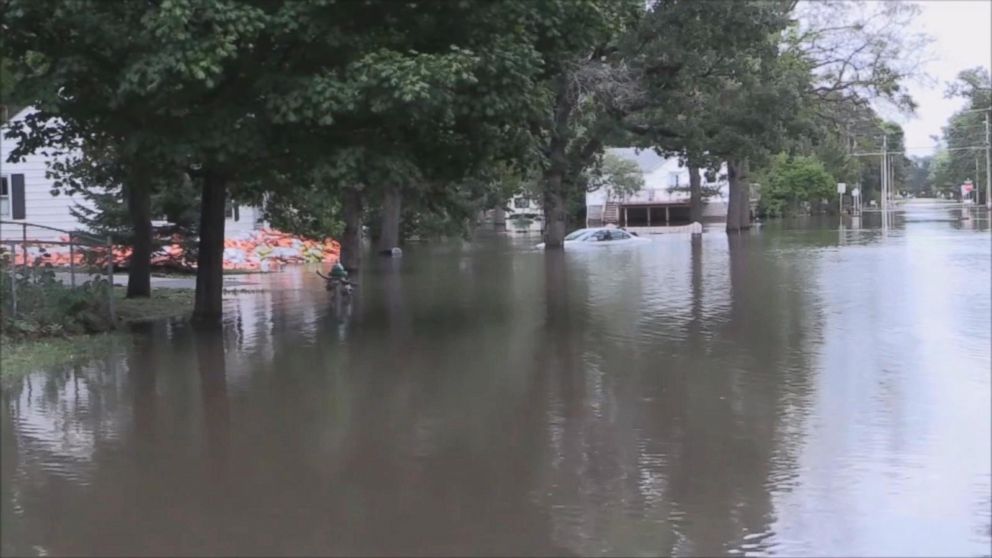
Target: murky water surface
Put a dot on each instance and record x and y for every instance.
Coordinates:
(801, 390)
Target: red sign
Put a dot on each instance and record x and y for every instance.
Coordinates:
(967, 187)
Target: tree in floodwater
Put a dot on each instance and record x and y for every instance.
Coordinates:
(794, 185)
(584, 87)
(394, 100)
(859, 56)
(918, 182)
(177, 83)
(99, 178)
(701, 65)
(964, 134)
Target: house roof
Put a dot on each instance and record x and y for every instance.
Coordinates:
(646, 159)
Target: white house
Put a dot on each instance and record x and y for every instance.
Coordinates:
(662, 201)
(525, 215)
(25, 196)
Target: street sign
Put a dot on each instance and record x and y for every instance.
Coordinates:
(841, 187)
(856, 192)
(967, 187)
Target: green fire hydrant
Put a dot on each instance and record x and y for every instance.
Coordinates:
(339, 272)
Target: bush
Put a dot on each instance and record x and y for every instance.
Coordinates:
(794, 185)
(46, 307)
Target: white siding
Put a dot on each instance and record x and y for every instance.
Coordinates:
(40, 206)
(656, 184)
(249, 219)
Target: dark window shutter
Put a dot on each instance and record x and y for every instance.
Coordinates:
(17, 196)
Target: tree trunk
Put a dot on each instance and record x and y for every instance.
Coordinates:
(499, 219)
(555, 183)
(389, 234)
(555, 215)
(739, 202)
(207, 307)
(744, 185)
(139, 207)
(351, 240)
(695, 195)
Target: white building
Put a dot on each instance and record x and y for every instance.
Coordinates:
(26, 196)
(662, 201)
(525, 215)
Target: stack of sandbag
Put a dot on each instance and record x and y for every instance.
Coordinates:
(258, 250)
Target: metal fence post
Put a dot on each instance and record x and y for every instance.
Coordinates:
(72, 262)
(24, 246)
(110, 277)
(13, 281)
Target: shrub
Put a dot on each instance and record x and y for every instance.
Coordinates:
(47, 307)
(794, 185)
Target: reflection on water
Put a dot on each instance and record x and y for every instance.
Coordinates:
(804, 389)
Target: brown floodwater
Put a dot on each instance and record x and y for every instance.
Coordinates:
(799, 390)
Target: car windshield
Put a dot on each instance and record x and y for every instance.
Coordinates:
(577, 235)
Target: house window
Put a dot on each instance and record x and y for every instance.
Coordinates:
(673, 179)
(521, 203)
(4, 197)
(231, 211)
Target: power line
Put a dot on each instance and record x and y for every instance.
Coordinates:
(877, 153)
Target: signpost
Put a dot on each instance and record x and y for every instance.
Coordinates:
(966, 189)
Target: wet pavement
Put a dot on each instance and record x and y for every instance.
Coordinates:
(800, 390)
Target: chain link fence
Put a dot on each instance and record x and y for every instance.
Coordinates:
(55, 278)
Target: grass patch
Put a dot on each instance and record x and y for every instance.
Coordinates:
(21, 357)
(164, 303)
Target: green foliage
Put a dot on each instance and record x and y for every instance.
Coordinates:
(964, 132)
(714, 64)
(295, 103)
(621, 177)
(11, 100)
(312, 212)
(919, 181)
(794, 185)
(46, 307)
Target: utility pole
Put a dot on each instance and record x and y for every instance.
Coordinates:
(978, 182)
(885, 173)
(889, 182)
(988, 162)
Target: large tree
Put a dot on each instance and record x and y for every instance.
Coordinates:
(710, 73)
(394, 99)
(171, 83)
(585, 86)
(963, 140)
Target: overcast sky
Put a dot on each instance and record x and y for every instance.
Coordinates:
(962, 34)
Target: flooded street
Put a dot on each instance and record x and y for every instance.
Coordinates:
(800, 390)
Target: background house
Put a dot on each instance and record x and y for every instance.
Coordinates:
(664, 198)
(26, 196)
(524, 215)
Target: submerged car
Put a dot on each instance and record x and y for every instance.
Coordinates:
(601, 236)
